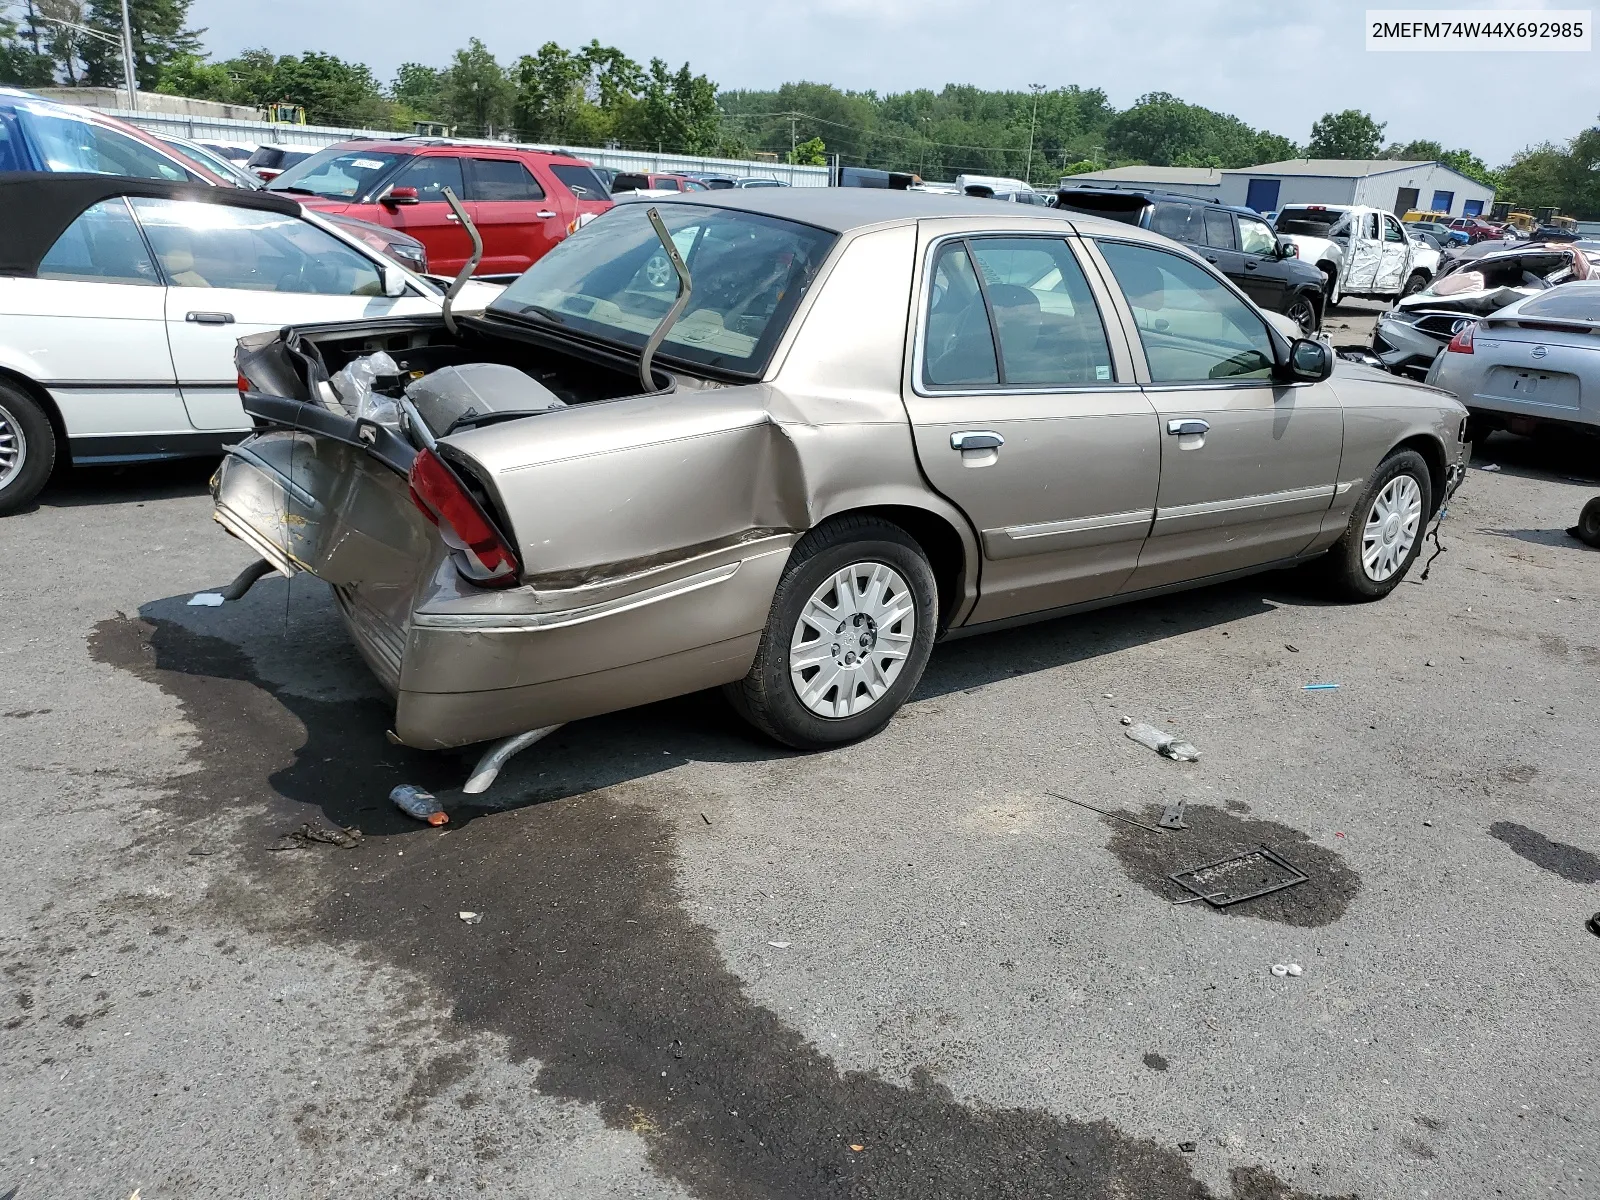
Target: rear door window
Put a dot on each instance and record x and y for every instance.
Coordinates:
(581, 181)
(1219, 230)
(1180, 222)
(1043, 313)
(430, 176)
(102, 246)
(959, 348)
(502, 179)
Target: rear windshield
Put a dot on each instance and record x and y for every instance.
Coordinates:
(612, 279)
(334, 173)
(1580, 303)
(1126, 209)
(627, 181)
(581, 181)
(1313, 222)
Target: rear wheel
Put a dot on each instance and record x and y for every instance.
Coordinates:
(27, 448)
(1385, 531)
(850, 630)
(1418, 281)
(1587, 530)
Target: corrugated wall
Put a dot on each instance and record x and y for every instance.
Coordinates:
(222, 130)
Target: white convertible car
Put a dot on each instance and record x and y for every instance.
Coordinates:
(121, 301)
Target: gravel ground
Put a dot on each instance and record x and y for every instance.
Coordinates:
(706, 967)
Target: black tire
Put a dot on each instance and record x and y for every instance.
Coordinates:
(1587, 530)
(1479, 427)
(767, 698)
(1344, 568)
(27, 448)
(1418, 281)
(1302, 311)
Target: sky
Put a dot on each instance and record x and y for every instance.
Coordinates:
(1276, 65)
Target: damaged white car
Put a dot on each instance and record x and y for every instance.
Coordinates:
(1362, 252)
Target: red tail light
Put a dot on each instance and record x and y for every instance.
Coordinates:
(1462, 342)
(244, 384)
(481, 554)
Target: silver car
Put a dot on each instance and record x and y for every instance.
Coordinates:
(1536, 362)
(784, 440)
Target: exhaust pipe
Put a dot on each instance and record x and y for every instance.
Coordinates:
(684, 288)
(471, 264)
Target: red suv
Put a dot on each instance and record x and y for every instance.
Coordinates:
(522, 201)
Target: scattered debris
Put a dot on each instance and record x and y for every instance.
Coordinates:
(1291, 648)
(1188, 1147)
(471, 918)
(1295, 971)
(1127, 720)
(203, 849)
(1490, 467)
(857, 1147)
(1260, 872)
(1320, 687)
(705, 818)
(1172, 818)
(1279, 970)
(1594, 924)
(1104, 812)
(206, 600)
(419, 803)
(1164, 744)
(779, 945)
(1427, 824)
(308, 835)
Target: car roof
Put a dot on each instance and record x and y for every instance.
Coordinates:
(1146, 193)
(39, 206)
(411, 145)
(842, 209)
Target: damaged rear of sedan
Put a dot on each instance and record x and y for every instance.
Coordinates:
(781, 442)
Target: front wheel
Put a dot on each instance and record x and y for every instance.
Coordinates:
(1303, 313)
(1587, 530)
(1385, 531)
(1418, 281)
(850, 630)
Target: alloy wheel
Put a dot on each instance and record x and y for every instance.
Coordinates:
(13, 447)
(1392, 528)
(1304, 314)
(658, 271)
(852, 639)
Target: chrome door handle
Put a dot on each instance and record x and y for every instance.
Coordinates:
(1185, 428)
(544, 214)
(452, 217)
(1212, 259)
(209, 318)
(976, 439)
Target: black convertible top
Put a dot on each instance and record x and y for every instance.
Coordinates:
(36, 207)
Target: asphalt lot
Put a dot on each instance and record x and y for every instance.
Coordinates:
(709, 968)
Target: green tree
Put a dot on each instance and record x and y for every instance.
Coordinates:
(160, 35)
(1565, 177)
(1348, 134)
(190, 75)
(676, 110)
(810, 153)
(419, 88)
(475, 92)
(23, 61)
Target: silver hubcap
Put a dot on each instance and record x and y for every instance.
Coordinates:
(13, 447)
(1392, 528)
(658, 271)
(852, 639)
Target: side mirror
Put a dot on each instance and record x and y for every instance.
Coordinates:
(1287, 250)
(398, 196)
(1309, 361)
(394, 280)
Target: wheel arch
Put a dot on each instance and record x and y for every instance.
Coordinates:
(949, 553)
(1432, 451)
(41, 395)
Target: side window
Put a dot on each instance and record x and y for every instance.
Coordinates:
(1392, 231)
(430, 176)
(1180, 222)
(1044, 315)
(960, 346)
(1255, 237)
(1371, 222)
(1219, 230)
(70, 145)
(102, 246)
(502, 179)
(1192, 327)
(204, 245)
(667, 185)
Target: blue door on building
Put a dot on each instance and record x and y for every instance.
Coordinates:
(1472, 208)
(1442, 201)
(1263, 195)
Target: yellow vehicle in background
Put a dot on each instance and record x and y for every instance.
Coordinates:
(1417, 214)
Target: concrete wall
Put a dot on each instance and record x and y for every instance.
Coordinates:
(116, 100)
(210, 128)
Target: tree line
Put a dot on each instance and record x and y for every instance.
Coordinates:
(598, 96)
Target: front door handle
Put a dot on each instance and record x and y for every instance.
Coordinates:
(452, 217)
(209, 318)
(1188, 427)
(1212, 259)
(976, 439)
(1249, 264)
(544, 214)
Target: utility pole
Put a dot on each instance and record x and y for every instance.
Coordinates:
(128, 73)
(1027, 172)
(792, 142)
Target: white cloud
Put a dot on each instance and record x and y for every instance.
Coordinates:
(1275, 65)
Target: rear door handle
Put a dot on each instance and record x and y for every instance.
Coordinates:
(1249, 264)
(976, 439)
(209, 318)
(452, 217)
(1212, 259)
(544, 214)
(1186, 428)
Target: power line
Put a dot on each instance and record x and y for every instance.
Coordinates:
(871, 133)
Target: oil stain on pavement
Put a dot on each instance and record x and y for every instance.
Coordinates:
(587, 961)
(1149, 858)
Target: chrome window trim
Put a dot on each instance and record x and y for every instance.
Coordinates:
(920, 340)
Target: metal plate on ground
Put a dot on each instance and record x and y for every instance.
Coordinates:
(1238, 877)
